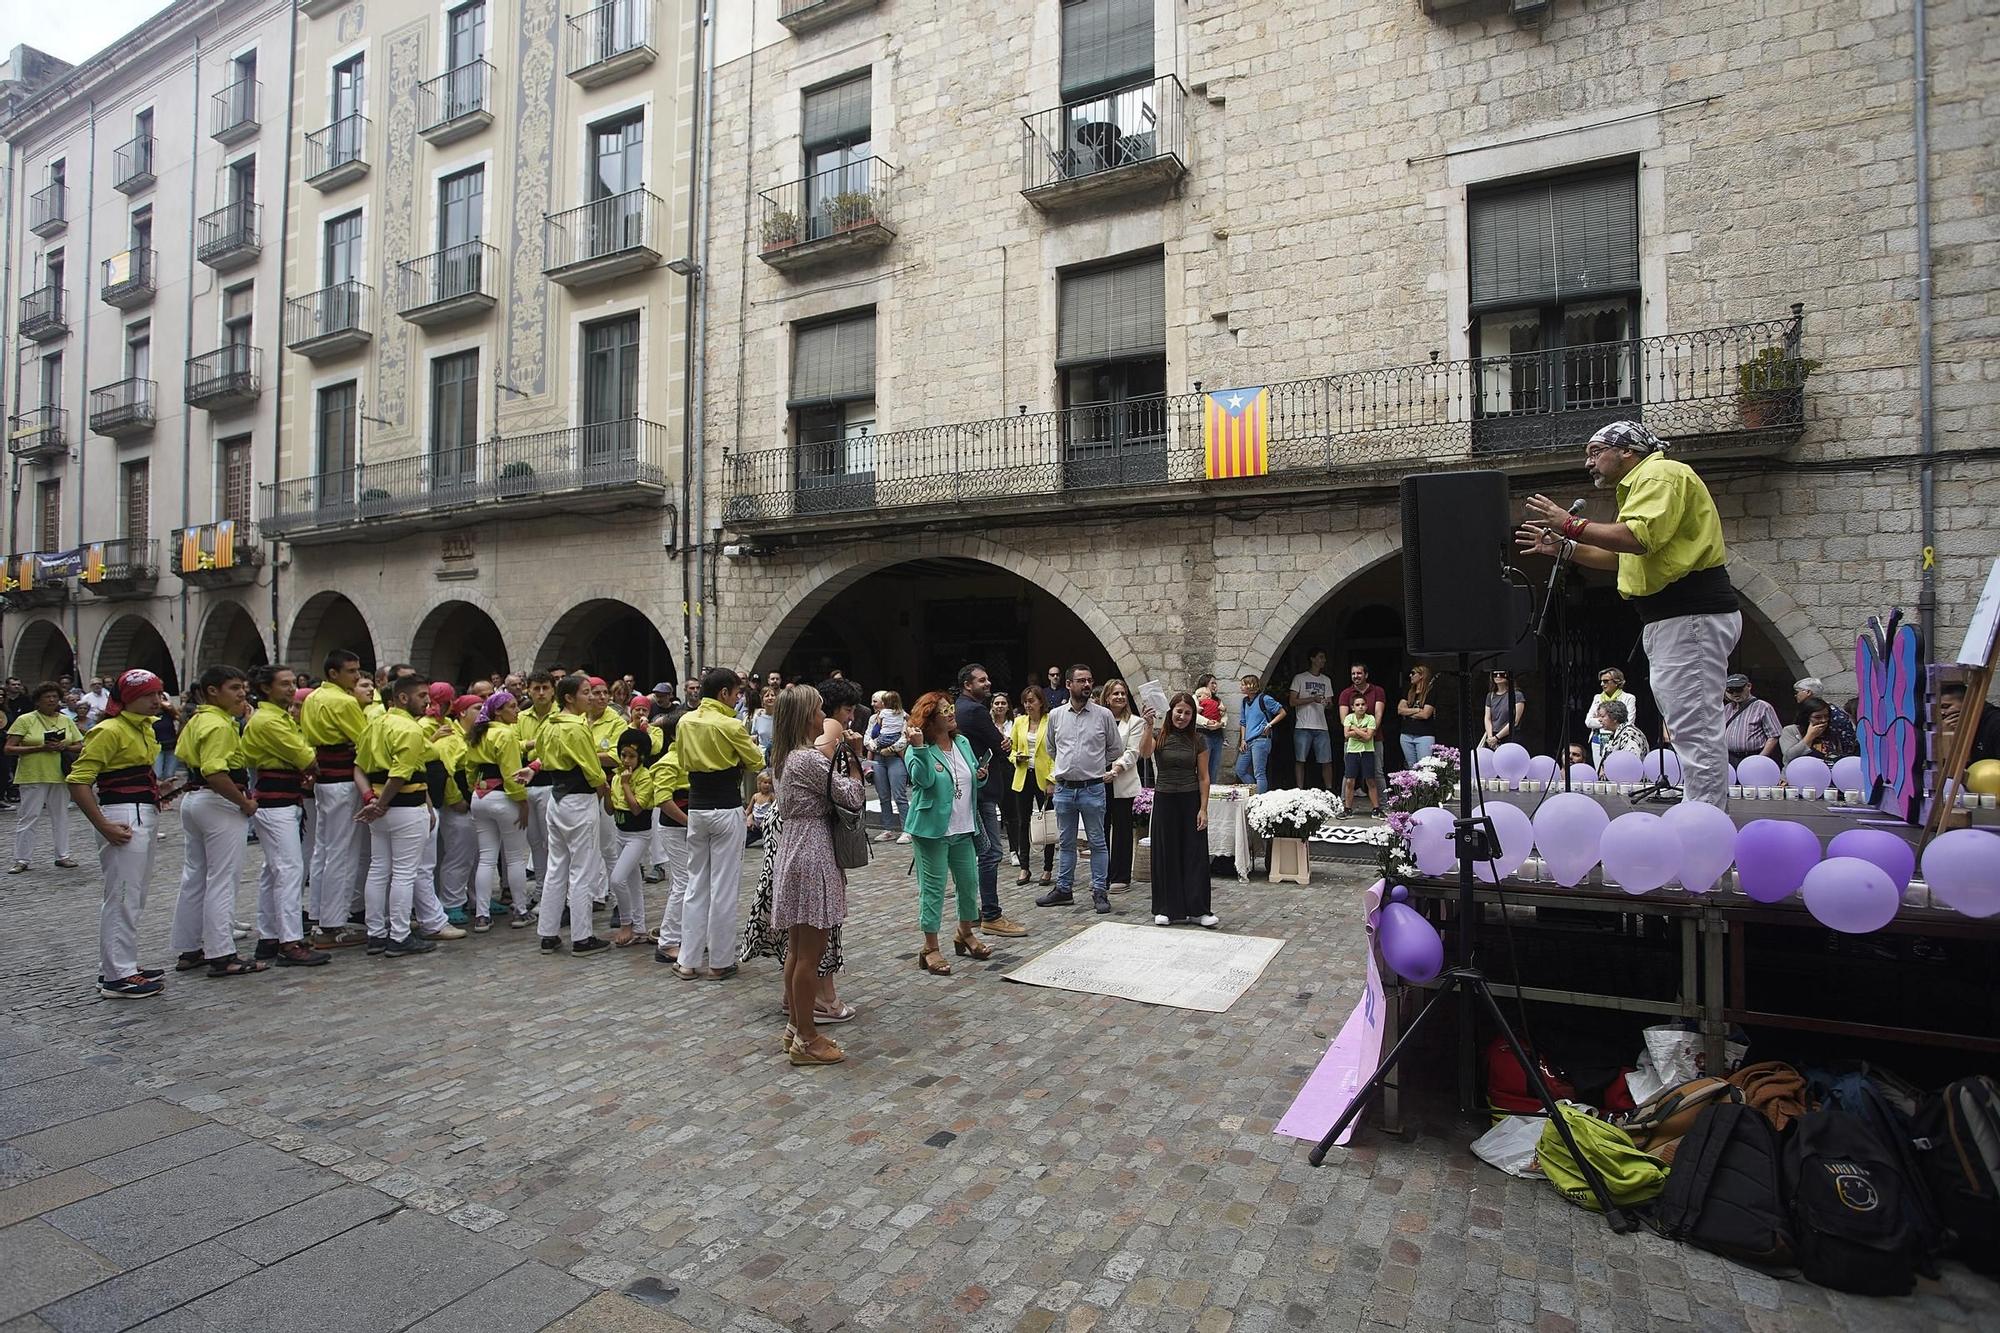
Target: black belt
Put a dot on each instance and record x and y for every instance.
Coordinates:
(716, 789)
(634, 821)
(277, 787)
(137, 785)
(567, 782)
(335, 762)
(488, 773)
(407, 797)
(1079, 782)
(544, 777)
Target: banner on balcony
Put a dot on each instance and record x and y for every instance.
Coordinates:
(93, 563)
(1235, 430)
(190, 548)
(59, 564)
(225, 544)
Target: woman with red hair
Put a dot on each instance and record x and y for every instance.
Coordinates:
(942, 813)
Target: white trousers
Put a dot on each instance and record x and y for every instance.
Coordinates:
(126, 871)
(396, 848)
(607, 847)
(575, 873)
(213, 832)
(39, 799)
(496, 820)
(625, 878)
(308, 818)
(539, 799)
(457, 856)
(340, 852)
(1688, 659)
(281, 884)
(715, 864)
(675, 843)
(426, 911)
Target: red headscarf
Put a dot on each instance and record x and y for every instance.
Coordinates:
(131, 687)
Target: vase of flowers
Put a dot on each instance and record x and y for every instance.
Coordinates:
(1433, 781)
(1289, 818)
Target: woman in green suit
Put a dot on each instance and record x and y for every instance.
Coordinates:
(940, 817)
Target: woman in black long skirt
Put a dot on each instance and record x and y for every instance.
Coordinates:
(1180, 819)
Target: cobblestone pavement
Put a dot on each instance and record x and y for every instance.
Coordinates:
(991, 1156)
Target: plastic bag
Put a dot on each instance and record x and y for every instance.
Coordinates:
(1510, 1145)
(1674, 1055)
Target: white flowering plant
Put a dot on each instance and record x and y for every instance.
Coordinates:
(1432, 781)
(1293, 812)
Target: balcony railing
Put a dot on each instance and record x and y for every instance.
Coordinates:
(1127, 142)
(610, 41)
(120, 566)
(331, 320)
(129, 280)
(233, 111)
(448, 284)
(216, 555)
(604, 239)
(805, 15)
(44, 315)
(457, 103)
(337, 154)
(609, 465)
(226, 377)
(1736, 388)
(124, 408)
(826, 216)
(48, 210)
(27, 580)
(132, 165)
(229, 237)
(39, 435)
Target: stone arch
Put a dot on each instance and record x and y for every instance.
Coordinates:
(1807, 649)
(460, 639)
(808, 593)
(572, 636)
(327, 620)
(231, 634)
(42, 651)
(130, 641)
(1322, 584)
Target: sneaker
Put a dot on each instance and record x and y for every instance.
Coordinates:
(298, 954)
(551, 945)
(722, 973)
(1100, 903)
(588, 945)
(1162, 921)
(448, 931)
(377, 944)
(69, 863)
(886, 835)
(458, 916)
(240, 929)
(1211, 921)
(481, 924)
(409, 944)
(650, 876)
(1000, 925)
(344, 938)
(519, 921)
(1120, 888)
(19, 867)
(1056, 898)
(903, 839)
(130, 988)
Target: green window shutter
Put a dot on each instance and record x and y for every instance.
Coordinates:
(1105, 43)
(835, 361)
(1109, 313)
(838, 113)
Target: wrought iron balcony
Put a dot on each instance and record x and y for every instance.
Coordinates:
(802, 16)
(1738, 390)
(48, 209)
(457, 103)
(583, 469)
(331, 320)
(124, 408)
(337, 154)
(1121, 144)
(44, 315)
(233, 112)
(230, 237)
(129, 280)
(448, 284)
(132, 165)
(227, 377)
(610, 41)
(121, 566)
(39, 436)
(825, 218)
(27, 582)
(216, 555)
(604, 239)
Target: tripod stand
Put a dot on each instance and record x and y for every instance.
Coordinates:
(1475, 839)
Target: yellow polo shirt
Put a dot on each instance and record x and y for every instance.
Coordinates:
(1670, 511)
(210, 743)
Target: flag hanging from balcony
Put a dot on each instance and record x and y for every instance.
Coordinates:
(225, 544)
(1235, 430)
(93, 563)
(190, 548)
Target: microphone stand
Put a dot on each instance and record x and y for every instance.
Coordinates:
(1551, 593)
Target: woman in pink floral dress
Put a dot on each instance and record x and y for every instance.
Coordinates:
(809, 889)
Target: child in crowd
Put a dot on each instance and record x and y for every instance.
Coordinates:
(757, 814)
(1359, 729)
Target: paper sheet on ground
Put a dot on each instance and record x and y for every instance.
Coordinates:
(1351, 1059)
(1184, 967)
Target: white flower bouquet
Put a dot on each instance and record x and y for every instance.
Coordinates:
(1293, 812)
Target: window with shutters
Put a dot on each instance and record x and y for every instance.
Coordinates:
(337, 426)
(1554, 290)
(832, 404)
(135, 490)
(454, 419)
(1106, 45)
(838, 144)
(233, 497)
(1111, 355)
(48, 516)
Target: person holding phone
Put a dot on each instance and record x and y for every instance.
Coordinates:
(36, 742)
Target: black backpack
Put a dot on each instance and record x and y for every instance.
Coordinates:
(1854, 1222)
(1961, 1125)
(1726, 1193)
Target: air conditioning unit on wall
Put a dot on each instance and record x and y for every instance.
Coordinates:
(1529, 9)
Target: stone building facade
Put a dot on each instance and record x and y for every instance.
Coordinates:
(1444, 236)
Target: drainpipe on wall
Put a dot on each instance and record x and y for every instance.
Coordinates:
(278, 343)
(1926, 439)
(7, 305)
(690, 369)
(187, 340)
(699, 502)
(83, 365)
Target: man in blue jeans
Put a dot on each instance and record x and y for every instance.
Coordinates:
(1260, 713)
(1083, 744)
(974, 711)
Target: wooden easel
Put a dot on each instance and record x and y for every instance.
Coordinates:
(1981, 654)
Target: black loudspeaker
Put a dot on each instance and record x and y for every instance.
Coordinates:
(1456, 598)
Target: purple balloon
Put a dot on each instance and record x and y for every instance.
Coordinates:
(1410, 945)
(1707, 836)
(1624, 766)
(1962, 868)
(1543, 768)
(1773, 856)
(1430, 840)
(1847, 773)
(1848, 894)
(1878, 847)
(1809, 771)
(1582, 773)
(1517, 838)
(1759, 770)
(1656, 759)
(1639, 852)
(1732, 775)
(1567, 829)
(1510, 761)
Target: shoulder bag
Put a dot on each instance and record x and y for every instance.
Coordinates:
(850, 840)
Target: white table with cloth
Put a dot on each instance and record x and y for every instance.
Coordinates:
(1229, 825)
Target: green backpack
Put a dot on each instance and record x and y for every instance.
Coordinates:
(1630, 1176)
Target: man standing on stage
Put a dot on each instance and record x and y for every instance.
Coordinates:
(1666, 546)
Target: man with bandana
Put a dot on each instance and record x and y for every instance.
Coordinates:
(1666, 546)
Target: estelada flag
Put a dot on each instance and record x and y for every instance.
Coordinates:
(1235, 430)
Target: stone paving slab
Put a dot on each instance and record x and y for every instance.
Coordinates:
(44, 1193)
(133, 1297)
(137, 1223)
(32, 1066)
(87, 1137)
(163, 1154)
(524, 1299)
(44, 1265)
(306, 1223)
(33, 1107)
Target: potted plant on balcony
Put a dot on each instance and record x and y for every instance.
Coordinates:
(781, 228)
(1768, 386)
(517, 480)
(850, 208)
